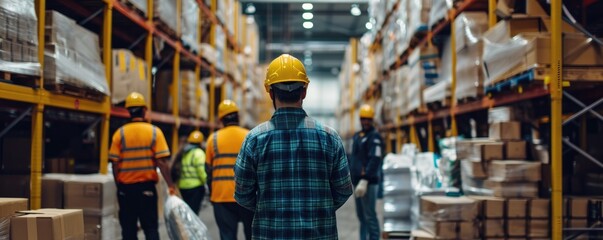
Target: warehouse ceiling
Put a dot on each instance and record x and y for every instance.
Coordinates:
(321, 47)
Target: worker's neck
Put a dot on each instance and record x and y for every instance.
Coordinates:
(280, 104)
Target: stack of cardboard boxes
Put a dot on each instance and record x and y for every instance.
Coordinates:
(447, 218)
(129, 75)
(189, 91)
(19, 37)
(93, 194)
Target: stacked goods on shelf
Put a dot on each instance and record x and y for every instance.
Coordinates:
(469, 76)
(378, 10)
(187, 99)
(521, 44)
(51, 224)
(166, 13)
(209, 53)
(8, 209)
(19, 37)
(418, 15)
(94, 194)
(220, 47)
(424, 64)
(226, 13)
(583, 212)
(439, 90)
(397, 194)
(129, 75)
(72, 56)
(389, 92)
(252, 38)
(203, 94)
(188, 94)
(445, 217)
(400, 103)
(190, 25)
(402, 37)
(439, 11)
(141, 5)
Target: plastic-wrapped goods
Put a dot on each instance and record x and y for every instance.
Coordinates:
(503, 58)
(19, 37)
(415, 86)
(167, 12)
(204, 99)
(72, 55)
(469, 28)
(129, 75)
(443, 208)
(209, 53)
(418, 15)
(377, 11)
(438, 89)
(140, 5)
(190, 25)
(402, 37)
(439, 11)
(469, 72)
(397, 189)
(220, 49)
(188, 94)
(449, 163)
(187, 98)
(182, 223)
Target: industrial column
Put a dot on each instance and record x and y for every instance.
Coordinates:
(107, 59)
(556, 122)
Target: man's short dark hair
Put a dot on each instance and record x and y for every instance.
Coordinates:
(230, 119)
(136, 112)
(286, 96)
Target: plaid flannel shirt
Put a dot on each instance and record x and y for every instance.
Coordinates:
(293, 173)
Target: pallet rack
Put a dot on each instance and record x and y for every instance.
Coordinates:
(553, 88)
(108, 30)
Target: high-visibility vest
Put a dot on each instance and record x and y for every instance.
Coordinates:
(223, 149)
(193, 170)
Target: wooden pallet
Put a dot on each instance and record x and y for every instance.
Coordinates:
(79, 92)
(396, 235)
(20, 79)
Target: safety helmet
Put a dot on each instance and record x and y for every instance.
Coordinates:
(285, 68)
(366, 111)
(135, 100)
(227, 107)
(196, 137)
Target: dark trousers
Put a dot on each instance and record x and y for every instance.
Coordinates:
(193, 197)
(138, 202)
(228, 216)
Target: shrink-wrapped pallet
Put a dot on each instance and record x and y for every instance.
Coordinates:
(19, 37)
(166, 11)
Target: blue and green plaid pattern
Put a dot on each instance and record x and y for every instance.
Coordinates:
(293, 173)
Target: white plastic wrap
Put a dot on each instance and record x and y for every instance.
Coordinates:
(402, 37)
(469, 28)
(397, 189)
(19, 37)
(439, 91)
(190, 25)
(418, 15)
(439, 10)
(167, 12)
(72, 55)
(469, 72)
(414, 82)
(140, 5)
(220, 49)
(182, 223)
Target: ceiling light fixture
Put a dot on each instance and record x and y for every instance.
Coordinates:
(307, 6)
(308, 16)
(308, 62)
(308, 25)
(369, 25)
(250, 9)
(355, 11)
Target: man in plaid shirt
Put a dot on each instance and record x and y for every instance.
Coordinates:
(292, 171)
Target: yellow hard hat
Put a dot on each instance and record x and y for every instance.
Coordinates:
(135, 100)
(285, 68)
(366, 111)
(196, 137)
(227, 107)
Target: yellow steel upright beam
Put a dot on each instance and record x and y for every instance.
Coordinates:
(107, 58)
(453, 127)
(354, 48)
(491, 13)
(212, 81)
(37, 127)
(430, 139)
(556, 121)
(148, 55)
(176, 84)
(398, 134)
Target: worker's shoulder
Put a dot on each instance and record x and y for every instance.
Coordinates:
(312, 123)
(139, 126)
(263, 128)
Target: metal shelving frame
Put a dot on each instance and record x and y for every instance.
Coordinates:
(40, 97)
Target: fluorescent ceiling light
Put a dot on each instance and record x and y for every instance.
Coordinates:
(308, 16)
(355, 11)
(308, 62)
(308, 25)
(307, 6)
(369, 25)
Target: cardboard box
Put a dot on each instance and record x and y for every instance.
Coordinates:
(539, 228)
(490, 207)
(514, 171)
(468, 148)
(446, 230)
(129, 75)
(94, 193)
(503, 114)
(491, 151)
(8, 208)
(515, 150)
(516, 228)
(513, 189)
(539, 208)
(577, 207)
(474, 169)
(494, 228)
(467, 230)
(101, 227)
(52, 193)
(517, 208)
(505, 131)
(442, 208)
(50, 224)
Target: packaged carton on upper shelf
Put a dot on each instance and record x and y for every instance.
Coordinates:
(516, 150)
(516, 227)
(48, 223)
(167, 12)
(490, 207)
(512, 189)
(479, 149)
(539, 208)
(129, 75)
(493, 228)
(474, 169)
(517, 208)
(450, 230)
(505, 131)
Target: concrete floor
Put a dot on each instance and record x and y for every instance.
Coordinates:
(347, 222)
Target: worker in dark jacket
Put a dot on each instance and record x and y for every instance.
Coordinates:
(367, 154)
